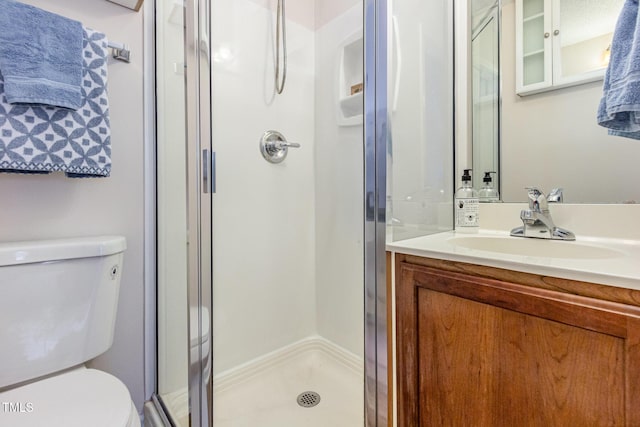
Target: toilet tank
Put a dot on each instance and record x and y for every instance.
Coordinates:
(58, 303)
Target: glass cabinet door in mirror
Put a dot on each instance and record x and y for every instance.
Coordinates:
(533, 39)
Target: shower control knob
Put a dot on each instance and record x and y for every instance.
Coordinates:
(274, 146)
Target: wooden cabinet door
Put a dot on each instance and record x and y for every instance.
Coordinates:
(482, 352)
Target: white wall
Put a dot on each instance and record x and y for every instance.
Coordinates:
(329, 10)
(53, 206)
(263, 235)
(338, 192)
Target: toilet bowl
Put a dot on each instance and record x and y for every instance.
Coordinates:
(58, 303)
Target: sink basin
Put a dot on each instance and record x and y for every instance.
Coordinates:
(535, 247)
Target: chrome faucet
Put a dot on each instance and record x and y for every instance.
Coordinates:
(537, 220)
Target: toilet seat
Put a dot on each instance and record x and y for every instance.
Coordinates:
(80, 397)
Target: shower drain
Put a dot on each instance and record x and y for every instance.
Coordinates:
(308, 399)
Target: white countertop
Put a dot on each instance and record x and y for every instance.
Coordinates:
(622, 270)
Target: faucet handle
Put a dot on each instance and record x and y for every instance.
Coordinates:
(537, 200)
(556, 196)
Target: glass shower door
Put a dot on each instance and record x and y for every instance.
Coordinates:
(172, 266)
(184, 188)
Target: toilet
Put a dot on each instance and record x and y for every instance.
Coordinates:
(58, 304)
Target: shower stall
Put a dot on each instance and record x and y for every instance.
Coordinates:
(273, 143)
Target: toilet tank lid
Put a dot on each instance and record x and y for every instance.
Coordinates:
(31, 251)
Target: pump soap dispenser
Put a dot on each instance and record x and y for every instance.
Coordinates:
(488, 193)
(467, 206)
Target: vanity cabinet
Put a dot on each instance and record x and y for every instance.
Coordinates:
(562, 43)
(489, 347)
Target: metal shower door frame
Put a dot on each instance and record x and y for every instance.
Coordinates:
(376, 14)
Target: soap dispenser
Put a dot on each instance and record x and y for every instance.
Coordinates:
(467, 206)
(488, 193)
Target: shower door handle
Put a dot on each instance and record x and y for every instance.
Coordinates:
(370, 206)
(208, 171)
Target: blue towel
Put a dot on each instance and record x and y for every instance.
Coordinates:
(40, 56)
(619, 109)
(42, 139)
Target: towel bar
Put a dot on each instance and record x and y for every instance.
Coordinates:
(120, 51)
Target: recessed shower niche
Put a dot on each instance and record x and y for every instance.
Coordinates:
(350, 84)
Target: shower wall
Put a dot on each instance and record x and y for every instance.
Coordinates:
(338, 172)
(263, 234)
(287, 237)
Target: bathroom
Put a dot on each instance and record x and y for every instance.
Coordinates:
(292, 256)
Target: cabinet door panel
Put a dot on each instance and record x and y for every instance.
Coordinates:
(471, 352)
(554, 374)
(456, 354)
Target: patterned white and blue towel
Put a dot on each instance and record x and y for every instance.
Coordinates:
(43, 139)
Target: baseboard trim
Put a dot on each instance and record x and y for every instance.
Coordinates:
(246, 371)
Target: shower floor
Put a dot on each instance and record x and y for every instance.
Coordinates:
(267, 398)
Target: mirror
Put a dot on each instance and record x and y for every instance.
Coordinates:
(533, 108)
(485, 86)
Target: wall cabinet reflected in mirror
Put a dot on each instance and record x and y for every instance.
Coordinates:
(561, 43)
